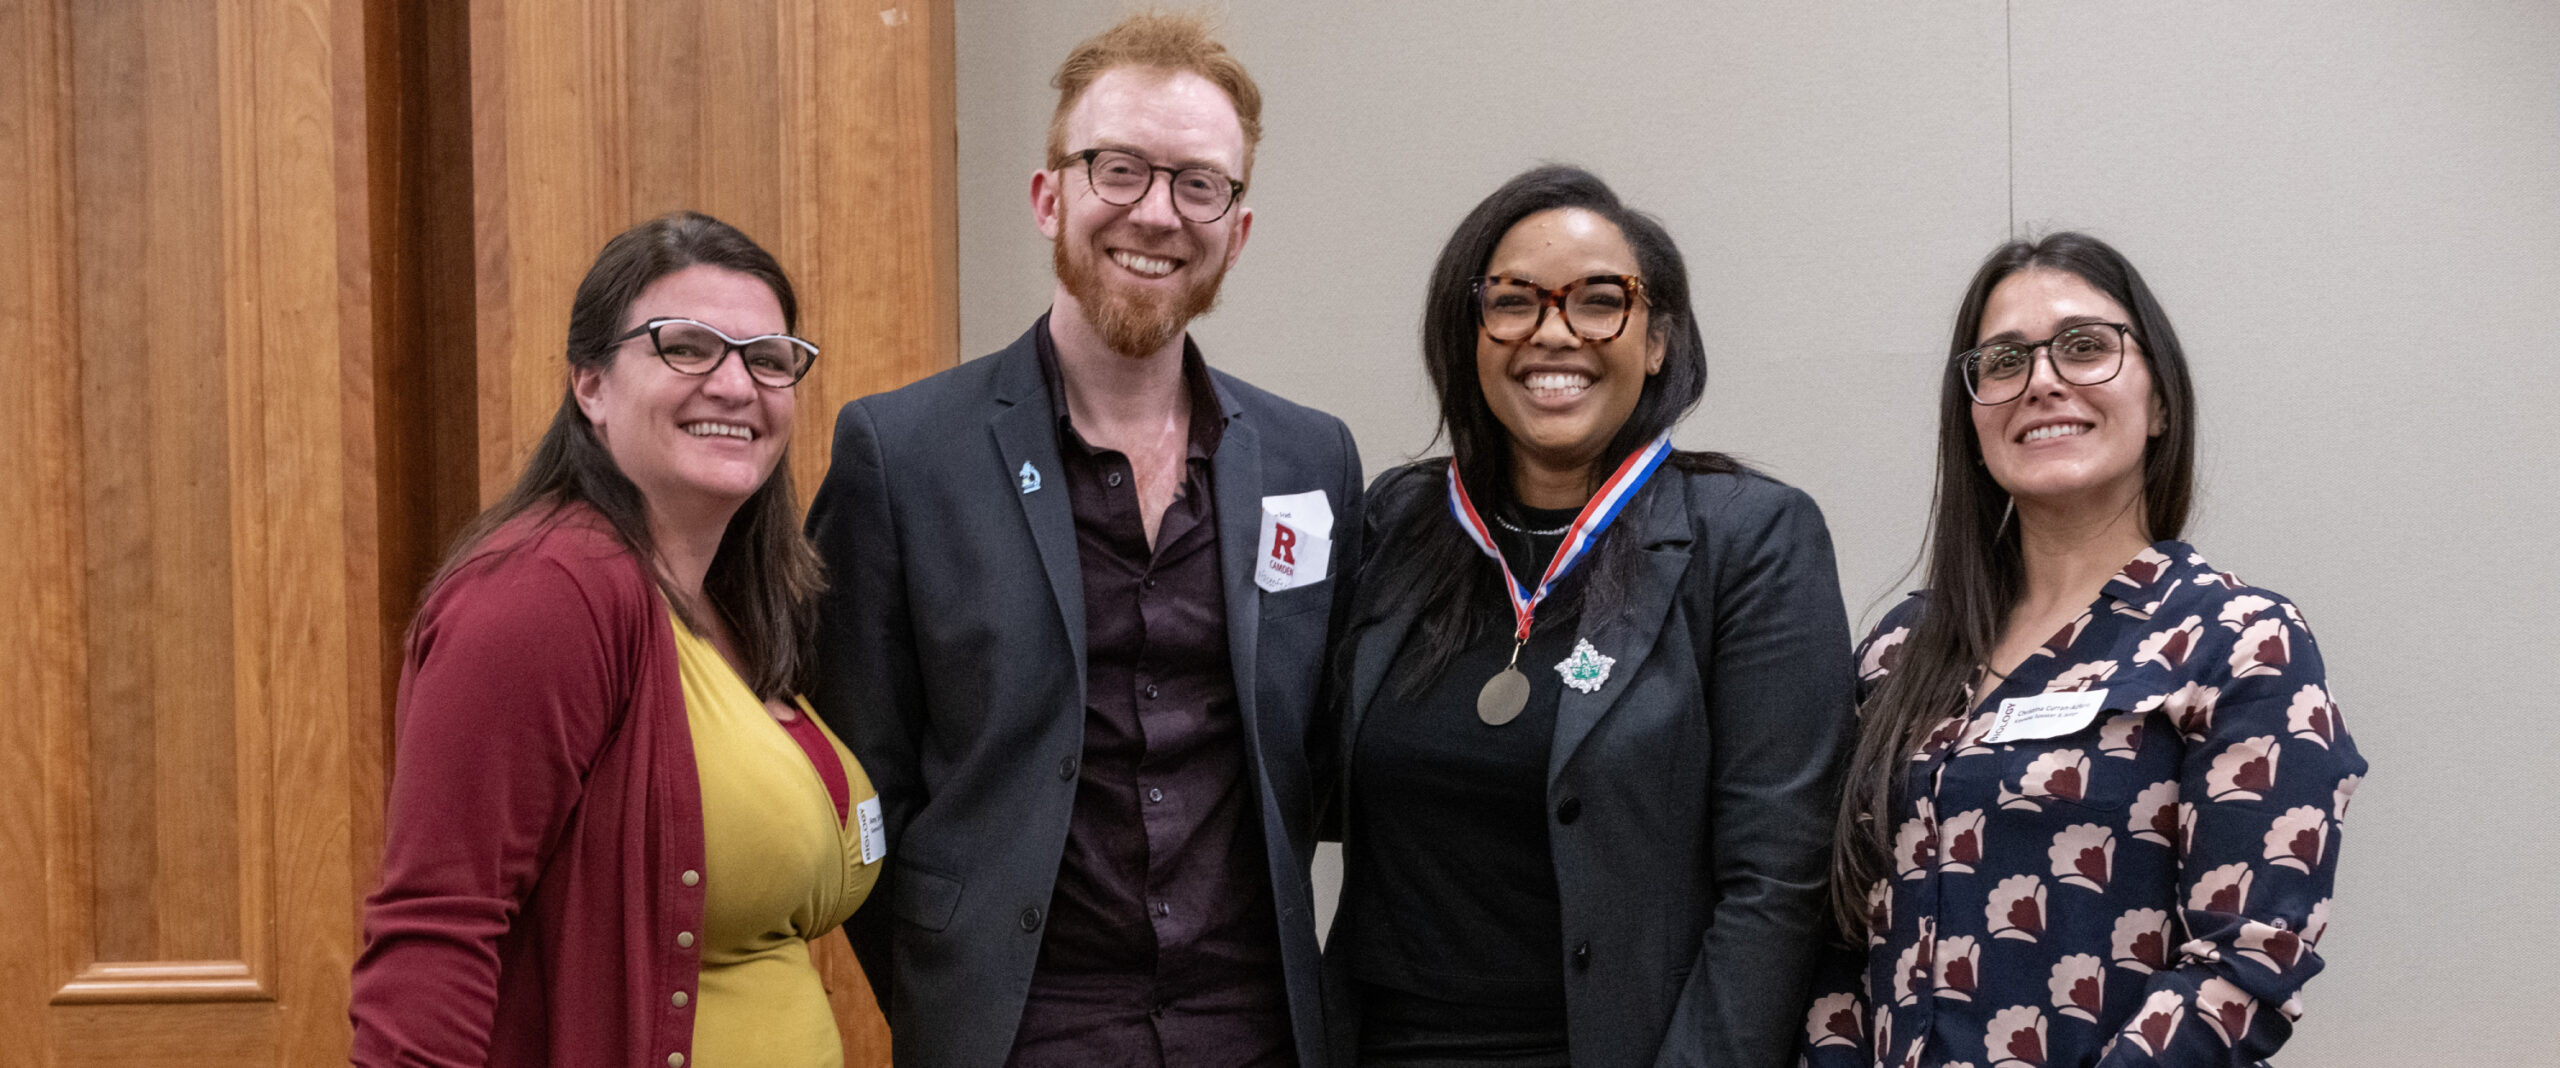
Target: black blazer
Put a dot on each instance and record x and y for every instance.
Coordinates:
(951, 660)
(1693, 793)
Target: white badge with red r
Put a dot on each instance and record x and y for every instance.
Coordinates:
(1296, 543)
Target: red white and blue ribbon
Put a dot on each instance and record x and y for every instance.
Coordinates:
(1597, 515)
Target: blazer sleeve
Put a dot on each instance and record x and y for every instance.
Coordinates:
(1350, 553)
(511, 693)
(2262, 793)
(1774, 654)
(869, 687)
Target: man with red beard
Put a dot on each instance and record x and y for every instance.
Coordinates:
(1081, 591)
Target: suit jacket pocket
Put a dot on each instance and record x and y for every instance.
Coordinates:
(922, 896)
(1302, 599)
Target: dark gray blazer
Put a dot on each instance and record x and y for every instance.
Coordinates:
(1692, 794)
(951, 659)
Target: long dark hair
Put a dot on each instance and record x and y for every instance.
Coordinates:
(764, 580)
(1975, 571)
(1434, 561)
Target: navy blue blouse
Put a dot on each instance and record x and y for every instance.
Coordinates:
(2144, 887)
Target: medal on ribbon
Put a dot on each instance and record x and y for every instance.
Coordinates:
(1507, 692)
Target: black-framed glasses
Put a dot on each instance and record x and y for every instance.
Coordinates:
(2089, 354)
(1200, 194)
(775, 361)
(1595, 308)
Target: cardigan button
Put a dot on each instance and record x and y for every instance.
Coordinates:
(690, 877)
(675, 1060)
(1582, 957)
(1031, 919)
(1569, 810)
(684, 940)
(680, 999)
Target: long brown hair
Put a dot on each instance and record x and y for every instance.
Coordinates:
(1975, 571)
(764, 581)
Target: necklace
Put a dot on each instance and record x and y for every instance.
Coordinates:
(1508, 525)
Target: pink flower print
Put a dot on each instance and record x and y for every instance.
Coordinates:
(1970, 742)
(1883, 654)
(2080, 676)
(2346, 792)
(1915, 843)
(2155, 813)
(2062, 773)
(2077, 989)
(2121, 735)
(2240, 611)
(2009, 798)
(1913, 969)
(2144, 611)
(2294, 614)
(2244, 772)
(2084, 855)
(2169, 647)
(2313, 717)
(1959, 968)
(2299, 838)
(1833, 1021)
(1939, 739)
(1960, 841)
(2186, 829)
(2017, 908)
(2146, 568)
(2061, 640)
(1883, 1016)
(1911, 1057)
(2224, 889)
(2273, 948)
(2141, 940)
(2226, 1009)
(1879, 910)
(2316, 924)
(2157, 1021)
(2191, 708)
(2266, 648)
(2016, 1037)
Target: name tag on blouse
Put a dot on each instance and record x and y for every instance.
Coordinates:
(875, 838)
(2049, 715)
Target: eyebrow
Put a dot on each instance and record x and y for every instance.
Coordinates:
(2066, 324)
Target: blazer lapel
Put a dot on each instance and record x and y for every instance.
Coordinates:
(1629, 637)
(1026, 433)
(1235, 476)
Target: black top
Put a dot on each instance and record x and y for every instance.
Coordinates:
(1162, 945)
(1454, 895)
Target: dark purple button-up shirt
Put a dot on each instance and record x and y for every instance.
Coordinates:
(1162, 946)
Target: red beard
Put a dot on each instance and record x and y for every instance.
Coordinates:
(1133, 323)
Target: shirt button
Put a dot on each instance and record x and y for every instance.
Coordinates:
(1163, 909)
(675, 1060)
(1067, 769)
(691, 877)
(1151, 691)
(1112, 480)
(1158, 1011)
(1031, 919)
(1569, 810)
(1582, 957)
(1150, 582)
(684, 940)
(1154, 795)
(680, 999)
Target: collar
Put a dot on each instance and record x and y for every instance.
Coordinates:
(2153, 573)
(1208, 416)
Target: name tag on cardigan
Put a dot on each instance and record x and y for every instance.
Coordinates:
(1296, 543)
(2049, 715)
(875, 837)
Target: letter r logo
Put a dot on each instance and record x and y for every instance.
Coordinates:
(1284, 543)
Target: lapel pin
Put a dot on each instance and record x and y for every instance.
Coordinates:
(1029, 478)
(1586, 670)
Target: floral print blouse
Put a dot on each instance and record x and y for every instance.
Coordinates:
(2147, 886)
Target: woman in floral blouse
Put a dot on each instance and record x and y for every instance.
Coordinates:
(2094, 813)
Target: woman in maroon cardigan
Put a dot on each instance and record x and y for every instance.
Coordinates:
(579, 841)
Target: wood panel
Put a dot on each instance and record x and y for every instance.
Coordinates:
(823, 130)
(186, 209)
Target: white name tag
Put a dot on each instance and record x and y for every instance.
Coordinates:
(2049, 715)
(875, 837)
(1296, 542)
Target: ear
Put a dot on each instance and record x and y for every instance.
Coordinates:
(1047, 210)
(586, 383)
(1235, 242)
(2159, 414)
(1655, 348)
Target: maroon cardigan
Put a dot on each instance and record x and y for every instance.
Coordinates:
(541, 891)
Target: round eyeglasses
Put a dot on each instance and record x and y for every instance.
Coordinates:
(1595, 308)
(775, 361)
(1200, 194)
(2089, 354)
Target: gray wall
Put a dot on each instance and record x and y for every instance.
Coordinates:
(2352, 211)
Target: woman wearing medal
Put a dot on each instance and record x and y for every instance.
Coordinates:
(1592, 692)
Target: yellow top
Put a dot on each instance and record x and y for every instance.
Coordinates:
(779, 869)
